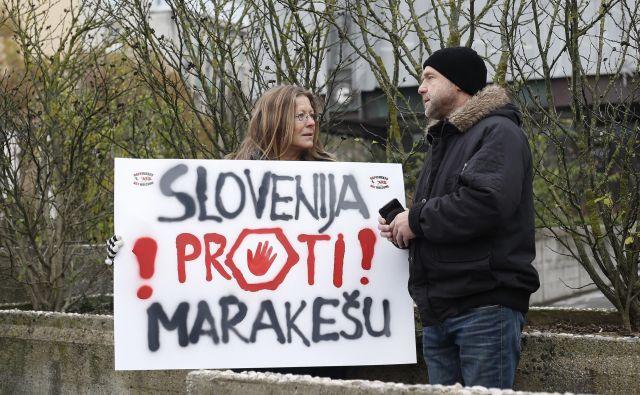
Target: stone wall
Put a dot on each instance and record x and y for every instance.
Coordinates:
(73, 354)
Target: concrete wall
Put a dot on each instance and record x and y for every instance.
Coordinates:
(73, 354)
(558, 272)
(583, 364)
(54, 353)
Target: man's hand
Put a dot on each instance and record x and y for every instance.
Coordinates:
(385, 230)
(398, 231)
(113, 246)
(401, 231)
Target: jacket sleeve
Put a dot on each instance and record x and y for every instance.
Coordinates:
(488, 193)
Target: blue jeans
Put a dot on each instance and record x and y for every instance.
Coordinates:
(478, 347)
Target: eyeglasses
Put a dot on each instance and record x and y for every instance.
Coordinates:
(303, 117)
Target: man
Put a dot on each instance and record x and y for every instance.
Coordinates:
(470, 229)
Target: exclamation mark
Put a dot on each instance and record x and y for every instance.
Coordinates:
(367, 238)
(145, 250)
(338, 261)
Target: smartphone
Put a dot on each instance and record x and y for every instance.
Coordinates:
(390, 210)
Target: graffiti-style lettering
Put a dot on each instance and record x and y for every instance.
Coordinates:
(260, 201)
(351, 302)
(318, 320)
(349, 184)
(311, 254)
(386, 330)
(323, 188)
(204, 314)
(211, 259)
(233, 313)
(156, 315)
(165, 187)
(367, 239)
(201, 195)
(187, 240)
(277, 198)
(182, 241)
(220, 202)
(338, 261)
(332, 202)
(330, 198)
(267, 307)
(229, 324)
(302, 198)
(259, 259)
(145, 250)
(291, 322)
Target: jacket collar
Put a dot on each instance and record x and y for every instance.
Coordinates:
(480, 105)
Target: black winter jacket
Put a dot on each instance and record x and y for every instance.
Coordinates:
(473, 212)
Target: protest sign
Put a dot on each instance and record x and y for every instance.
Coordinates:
(253, 264)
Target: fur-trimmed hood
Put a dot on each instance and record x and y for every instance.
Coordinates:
(490, 99)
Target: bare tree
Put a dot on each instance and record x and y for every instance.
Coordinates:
(216, 57)
(390, 39)
(129, 78)
(587, 185)
(586, 147)
(60, 99)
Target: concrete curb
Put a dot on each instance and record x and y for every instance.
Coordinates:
(204, 382)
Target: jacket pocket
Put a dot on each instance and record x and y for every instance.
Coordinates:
(461, 270)
(464, 252)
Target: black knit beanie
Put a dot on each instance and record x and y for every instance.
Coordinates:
(460, 65)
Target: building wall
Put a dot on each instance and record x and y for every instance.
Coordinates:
(56, 14)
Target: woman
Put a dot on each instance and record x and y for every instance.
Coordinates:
(283, 126)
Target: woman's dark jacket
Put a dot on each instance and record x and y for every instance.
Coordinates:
(473, 212)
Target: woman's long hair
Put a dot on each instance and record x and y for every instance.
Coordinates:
(272, 126)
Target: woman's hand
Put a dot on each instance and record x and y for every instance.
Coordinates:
(113, 246)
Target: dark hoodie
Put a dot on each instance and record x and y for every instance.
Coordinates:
(473, 212)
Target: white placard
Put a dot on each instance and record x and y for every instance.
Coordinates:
(253, 264)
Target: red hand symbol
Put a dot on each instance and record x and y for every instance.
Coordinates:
(260, 263)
